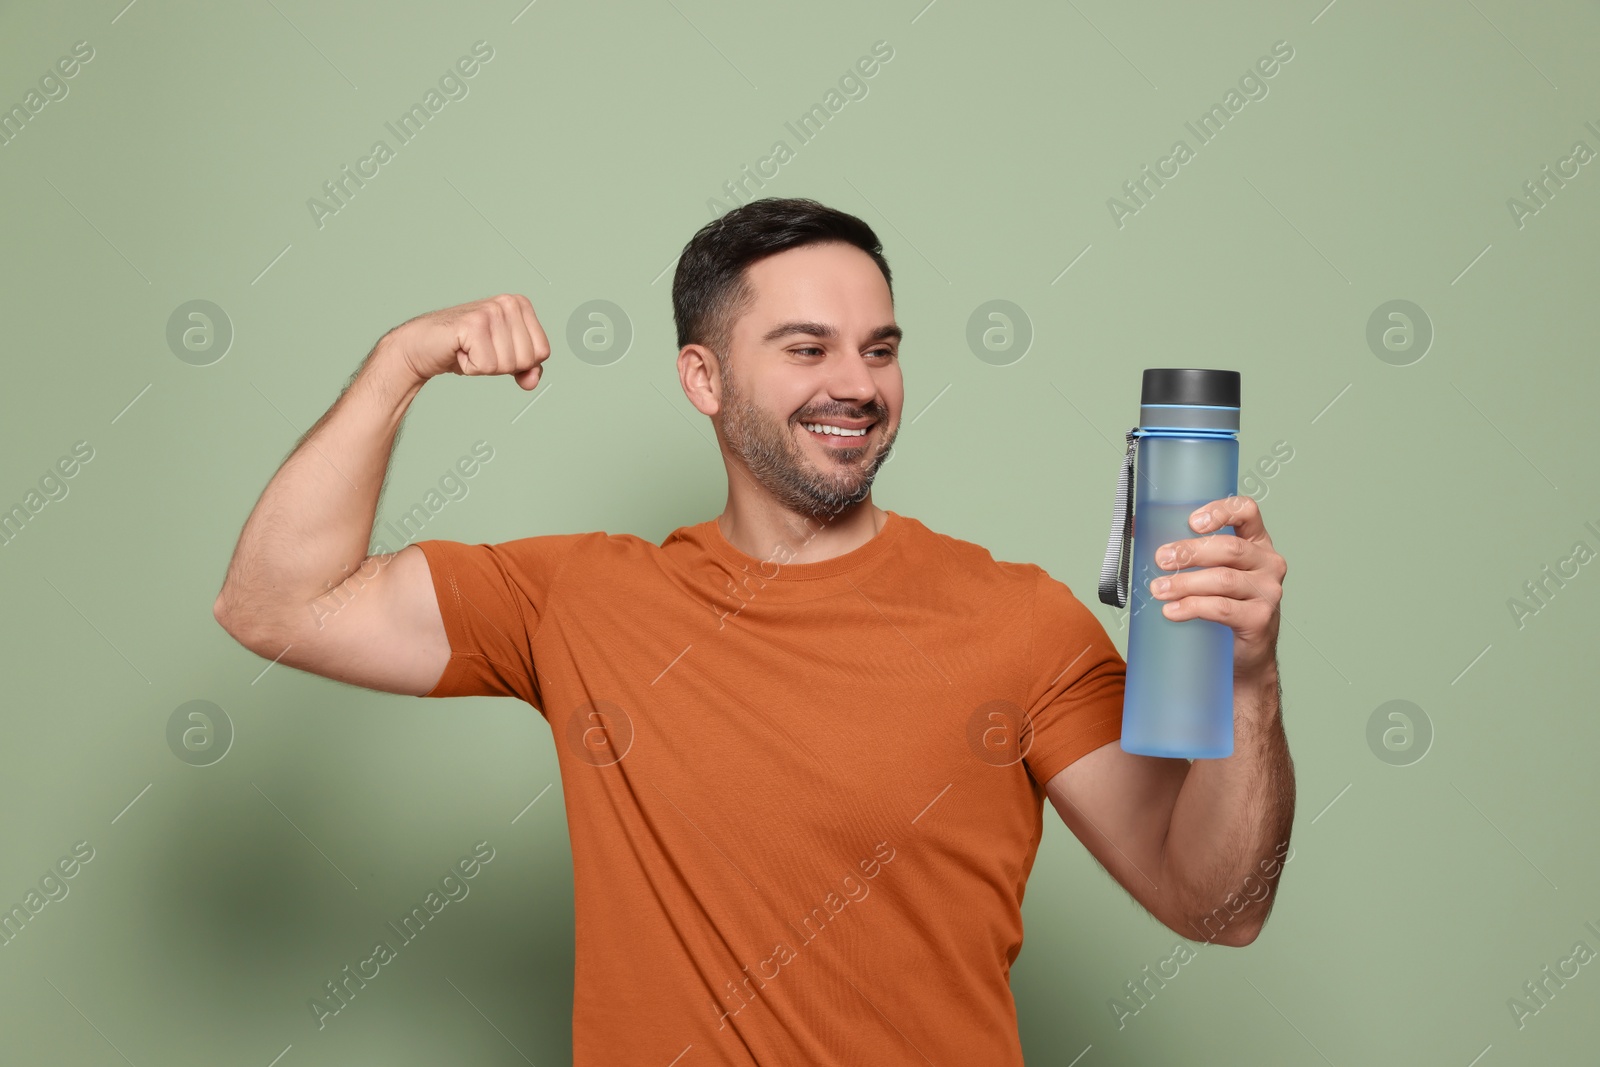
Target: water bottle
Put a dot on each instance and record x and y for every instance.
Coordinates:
(1178, 700)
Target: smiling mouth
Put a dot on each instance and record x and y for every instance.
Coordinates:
(837, 432)
(838, 437)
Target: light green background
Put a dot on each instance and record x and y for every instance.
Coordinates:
(1418, 501)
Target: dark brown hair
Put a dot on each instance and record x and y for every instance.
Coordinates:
(709, 289)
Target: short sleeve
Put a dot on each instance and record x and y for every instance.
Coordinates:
(1076, 681)
(492, 599)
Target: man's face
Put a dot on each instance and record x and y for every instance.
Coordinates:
(819, 345)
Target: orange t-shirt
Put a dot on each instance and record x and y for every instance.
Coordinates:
(803, 799)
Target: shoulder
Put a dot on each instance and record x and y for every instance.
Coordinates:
(546, 554)
(603, 555)
(977, 575)
(973, 565)
(606, 550)
(602, 551)
(587, 540)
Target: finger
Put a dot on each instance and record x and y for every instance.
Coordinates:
(521, 340)
(541, 343)
(1217, 581)
(1217, 550)
(1240, 512)
(1235, 614)
(529, 378)
(472, 344)
(500, 336)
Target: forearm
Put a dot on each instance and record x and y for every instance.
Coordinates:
(1230, 824)
(311, 527)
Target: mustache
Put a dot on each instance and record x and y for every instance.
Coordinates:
(877, 414)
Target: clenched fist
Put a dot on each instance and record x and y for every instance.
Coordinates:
(500, 335)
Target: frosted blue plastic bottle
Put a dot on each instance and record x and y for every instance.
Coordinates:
(1184, 453)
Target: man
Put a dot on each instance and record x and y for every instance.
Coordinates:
(804, 745)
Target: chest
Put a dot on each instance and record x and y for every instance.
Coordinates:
(807, 724)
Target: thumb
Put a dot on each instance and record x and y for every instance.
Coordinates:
(530, 377)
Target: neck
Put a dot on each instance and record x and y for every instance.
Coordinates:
(767, 530)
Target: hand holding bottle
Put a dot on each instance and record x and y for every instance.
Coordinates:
(1239, 582)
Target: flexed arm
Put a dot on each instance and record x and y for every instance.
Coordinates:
(308, 535)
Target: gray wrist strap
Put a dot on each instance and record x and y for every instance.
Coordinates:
(1114, 571)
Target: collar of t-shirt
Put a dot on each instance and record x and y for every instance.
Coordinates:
(804, 579)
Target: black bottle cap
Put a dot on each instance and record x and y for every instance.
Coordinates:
(1188, 385)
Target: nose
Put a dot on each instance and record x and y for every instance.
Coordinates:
(850, 381)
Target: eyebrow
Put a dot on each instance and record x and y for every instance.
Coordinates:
(823, 330)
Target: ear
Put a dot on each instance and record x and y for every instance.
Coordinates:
(701, 378)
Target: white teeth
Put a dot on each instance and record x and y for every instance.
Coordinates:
(837, 431)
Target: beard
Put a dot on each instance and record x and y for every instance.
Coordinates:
(768, 448)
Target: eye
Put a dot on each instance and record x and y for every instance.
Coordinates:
(886, 353)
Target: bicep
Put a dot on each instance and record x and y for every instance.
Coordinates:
(381, 628)
(1119, 805)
